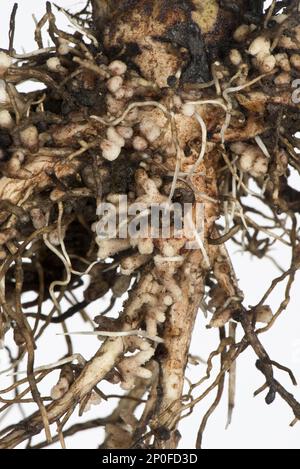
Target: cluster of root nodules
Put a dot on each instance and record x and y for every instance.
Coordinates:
(97, 130)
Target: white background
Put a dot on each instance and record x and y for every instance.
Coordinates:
(255, 425)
